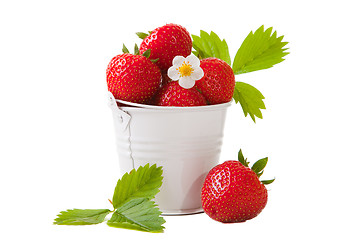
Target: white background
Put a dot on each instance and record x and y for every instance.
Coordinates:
(56, 130)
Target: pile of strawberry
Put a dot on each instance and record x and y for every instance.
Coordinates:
(142, 77)
(232, 191)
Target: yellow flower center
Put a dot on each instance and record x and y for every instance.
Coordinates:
(185, 69)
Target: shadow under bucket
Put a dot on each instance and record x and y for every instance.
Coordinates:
(185, 141)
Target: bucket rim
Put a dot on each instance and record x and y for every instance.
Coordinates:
(139, 106)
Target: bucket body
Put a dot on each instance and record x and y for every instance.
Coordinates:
(185, 141)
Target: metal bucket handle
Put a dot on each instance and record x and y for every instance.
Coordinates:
(122, 116)
(122, 120)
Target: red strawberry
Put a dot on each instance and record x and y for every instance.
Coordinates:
(232, 192)
(172, 94)
(165, 43)
(218, 82)
(165, 79)
(132, 78)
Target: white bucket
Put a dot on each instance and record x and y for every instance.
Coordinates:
(185, 141)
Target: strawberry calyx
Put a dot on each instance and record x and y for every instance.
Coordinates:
(137, 52)
(258, 167)
(142, 35)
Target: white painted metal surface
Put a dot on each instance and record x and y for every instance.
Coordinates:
(185, 141)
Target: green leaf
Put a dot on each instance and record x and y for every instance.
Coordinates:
(205, 37)
(267, 182)
(260, 50)
(142, 35)
(197, 46)
(250, 99)
(154, 60)
(138, 214)
(136, 50)
(141, 183)
(81, 216)
(259, 166)
(222, 48)
(124, 49)
(242, 160)
(210, 45)
(147, 53)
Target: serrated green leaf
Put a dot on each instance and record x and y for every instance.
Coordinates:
(250, 99)
(259, 165)
(206, 44)
(215, 44)
(210, 45)
(224, 54)
(197, 46)
(81, 216)
(267, 182)
(260, 50)
(141, 183)
(138, 214)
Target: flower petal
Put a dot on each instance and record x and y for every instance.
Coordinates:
(186, 82)
(178, 60)
(198, 73)
(193, 60)
(173, 73)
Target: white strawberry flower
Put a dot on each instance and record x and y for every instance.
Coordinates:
(186, 70)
